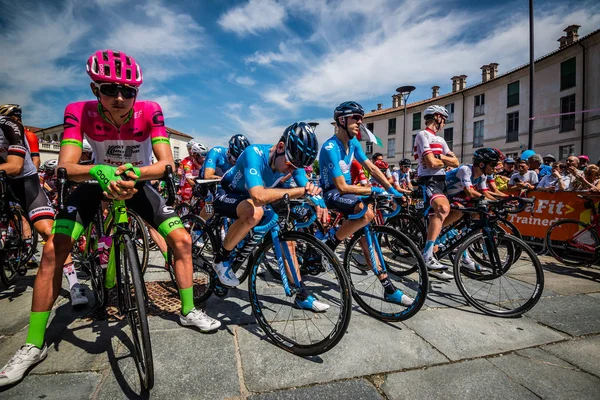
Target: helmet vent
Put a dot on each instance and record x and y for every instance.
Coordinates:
(116, 54)
(105, 55)
(128, 60)
(106, 70)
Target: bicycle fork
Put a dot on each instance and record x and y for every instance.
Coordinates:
(374, 246)
(278, 247)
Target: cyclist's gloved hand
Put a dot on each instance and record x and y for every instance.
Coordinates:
(317, 201)
(392, 190)
(126, 168)
(104, 174)
(378, 190)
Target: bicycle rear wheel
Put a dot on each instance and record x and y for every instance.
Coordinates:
(299, 331)
(134, 306)
(408, 273)
(203, 255)
(12, 254)
(508, 285)
(573, 242)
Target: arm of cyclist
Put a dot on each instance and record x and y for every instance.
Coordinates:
(15, 160)
(313, 192)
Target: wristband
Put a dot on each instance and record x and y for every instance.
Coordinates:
(133, 169)
(104, 174)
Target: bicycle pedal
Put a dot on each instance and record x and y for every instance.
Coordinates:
(221, 291)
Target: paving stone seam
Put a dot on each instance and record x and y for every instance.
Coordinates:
(244, 392)
(510, 378)
(378, 380)
(103, 379)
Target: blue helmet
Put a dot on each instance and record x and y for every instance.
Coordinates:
(237, 144)
(526, 154)
(301, 144)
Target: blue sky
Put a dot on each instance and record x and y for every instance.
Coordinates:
(253, 67)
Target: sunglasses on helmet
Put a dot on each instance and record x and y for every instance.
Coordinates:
(356, 117)
(113, 90)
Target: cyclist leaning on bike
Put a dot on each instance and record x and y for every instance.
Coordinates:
(112, 124)
(220, 159)
(340, 194)
(255, 181)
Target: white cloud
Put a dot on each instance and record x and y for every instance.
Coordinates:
(253, 17)
(241, 80)
(288, 53)
(172, 105)
(279, 98)
(367, 49)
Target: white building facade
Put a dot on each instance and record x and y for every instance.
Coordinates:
(495, 112)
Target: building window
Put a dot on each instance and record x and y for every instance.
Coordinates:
(176, 152)
(369, 148)
(480, 104)
(512, 97)
(567, 74)
(565, 151)
(449, 136)
(478, 134)
(392, 126)
(567, 105)
(371, 127)
(391, 147)
(416, 122)
(512, 127)
(450, 108)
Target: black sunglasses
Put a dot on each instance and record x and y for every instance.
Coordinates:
(356, 117)
(113, 90)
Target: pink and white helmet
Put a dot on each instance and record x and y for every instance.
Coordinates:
(114, 67)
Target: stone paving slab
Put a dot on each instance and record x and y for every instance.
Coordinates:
(584, 353)
(548, 377)
(575, 315)
(54, 387)
(460, 334)
(444, 294)
(232, 309)
(87, 345)
(476, 379)
(14, 312)
(594, 295)
(370, 346)
(570, 281)
(187, 365)
(357, 389)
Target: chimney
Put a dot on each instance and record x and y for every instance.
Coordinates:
(562, 42)
(435, 91)
(394, 101)
(455, 80)
(485, 73)
(572, 33)
(379, 106)
(462, 82)
(493, 70)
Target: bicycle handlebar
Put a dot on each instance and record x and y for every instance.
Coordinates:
(372, 198)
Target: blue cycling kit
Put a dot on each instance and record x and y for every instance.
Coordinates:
(252, 169)
(216, 159)
(461, 178)
(334, 161)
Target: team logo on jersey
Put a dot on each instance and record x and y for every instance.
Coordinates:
(71, 209)
(253, 171)
(329, 146)
(123, 151)
(258, 151)
(158, 119)
(168, 210)
(70, 121)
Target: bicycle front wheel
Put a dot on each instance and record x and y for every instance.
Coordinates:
(12, 254)
(134, 302)
(284, 318)
(573, 242)
(139, 234)
(407, 273)
(507, 285)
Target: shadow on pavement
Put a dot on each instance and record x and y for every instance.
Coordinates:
(574, 272)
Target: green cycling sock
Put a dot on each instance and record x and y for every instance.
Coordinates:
(165, 255)
(187, 300)
(37, 328)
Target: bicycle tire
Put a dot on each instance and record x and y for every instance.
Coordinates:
(410, 226)
(12, 253)
(268, 321)
(508, 228)
(564, 251)
(203, 256)
(415, 284)
(516, 277)
(138, 228)
(134, 299)
(32, 245)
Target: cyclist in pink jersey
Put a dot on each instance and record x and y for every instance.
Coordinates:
(123, 134)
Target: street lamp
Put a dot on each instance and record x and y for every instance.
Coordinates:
(404, 92)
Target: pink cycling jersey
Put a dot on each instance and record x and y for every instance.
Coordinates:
(116, 146)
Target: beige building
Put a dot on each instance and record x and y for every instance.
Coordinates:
(495, 112)
(50, 142)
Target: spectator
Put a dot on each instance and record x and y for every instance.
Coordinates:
(557, 180)
(583, 162)
(503, 176)
(524, 178)
(535, 164)
(590, 180)
(549, 159)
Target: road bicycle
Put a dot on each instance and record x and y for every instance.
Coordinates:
(573, 242)
(124, 272)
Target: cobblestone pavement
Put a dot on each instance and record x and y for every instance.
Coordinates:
(448, 350)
